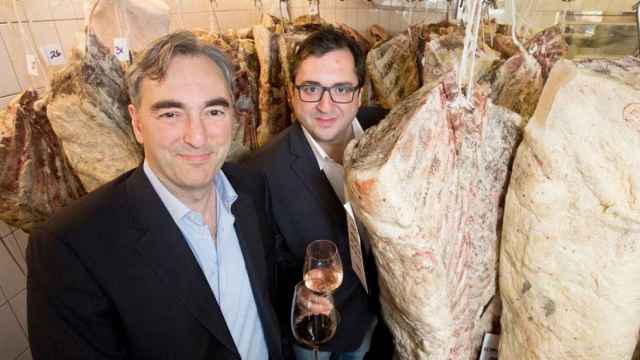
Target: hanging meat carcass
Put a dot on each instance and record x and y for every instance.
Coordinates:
(363, 42)
(569, 269)
(395, 66)
(272, 92)
(428, 182)
(242, 54)
(442, 54)
(393, 69)
(517, 84)
(87, 107)
(35, 176)
(378, 34)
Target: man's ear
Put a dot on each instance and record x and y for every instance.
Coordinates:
(135, 123)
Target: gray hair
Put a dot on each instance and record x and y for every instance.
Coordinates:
(154, 61)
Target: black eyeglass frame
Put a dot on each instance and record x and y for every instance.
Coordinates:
(327, 89)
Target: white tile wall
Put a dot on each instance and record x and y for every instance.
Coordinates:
(13, 295)
(56, 21)
(13, 340)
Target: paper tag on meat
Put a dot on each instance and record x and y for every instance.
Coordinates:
(313, 7)
(490, 347)
(354, 247)
(121, 48)
(54, 54)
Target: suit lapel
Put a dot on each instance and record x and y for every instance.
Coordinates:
(249, 236)
(305, 166)
(164, 248)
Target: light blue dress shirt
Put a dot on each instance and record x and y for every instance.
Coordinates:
(222, 263)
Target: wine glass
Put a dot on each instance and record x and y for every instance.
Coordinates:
(314, 318)
(322, 271)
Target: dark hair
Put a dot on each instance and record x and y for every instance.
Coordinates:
(325, 40)
(155, 60)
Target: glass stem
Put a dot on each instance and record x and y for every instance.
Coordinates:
(315, 353)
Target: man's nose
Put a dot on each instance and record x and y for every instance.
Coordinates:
(195, 132)
(325, 102)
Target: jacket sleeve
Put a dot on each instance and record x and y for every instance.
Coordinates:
(69, 316)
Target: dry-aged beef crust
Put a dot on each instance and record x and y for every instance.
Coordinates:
(569, 270)
(272, 92)
(87, 108)
(242, 54)
(35, 176)
(428, 182)
(518, 82)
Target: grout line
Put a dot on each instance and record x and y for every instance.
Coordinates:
(22, 353)
(11, 255)
(24, 331)
(5, 22)
(21, 251)
(13, 66)
(20, 256)
(4, 295)
(1, 97)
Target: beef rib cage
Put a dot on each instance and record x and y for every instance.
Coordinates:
(35, 175)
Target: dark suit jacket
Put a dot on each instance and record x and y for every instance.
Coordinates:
(305, 207)
(112, 277)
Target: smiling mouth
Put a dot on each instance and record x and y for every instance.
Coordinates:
(195, 157)
(325, 121)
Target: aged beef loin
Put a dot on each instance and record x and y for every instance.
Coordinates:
(35, 176)
(428, 183)
(242, 53)
(378, 34)
(518, 82)
(393, 69)
(87, 108)
(442, 55)
(569, 269)
(272, 92)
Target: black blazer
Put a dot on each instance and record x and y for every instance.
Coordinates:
(305, 207)
(112, 277)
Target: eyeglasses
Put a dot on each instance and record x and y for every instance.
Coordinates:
(340, 94)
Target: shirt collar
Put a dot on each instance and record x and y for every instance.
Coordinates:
(319, 152)
(177, 209)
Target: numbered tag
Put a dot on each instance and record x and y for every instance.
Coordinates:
(32, 65)
(313, 7)
(54, 54)
(121, 49)
(490, 347)
(354, 247)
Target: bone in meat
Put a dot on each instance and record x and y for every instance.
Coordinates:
(35, 176)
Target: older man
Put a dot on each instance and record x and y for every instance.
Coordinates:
(171, 260)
